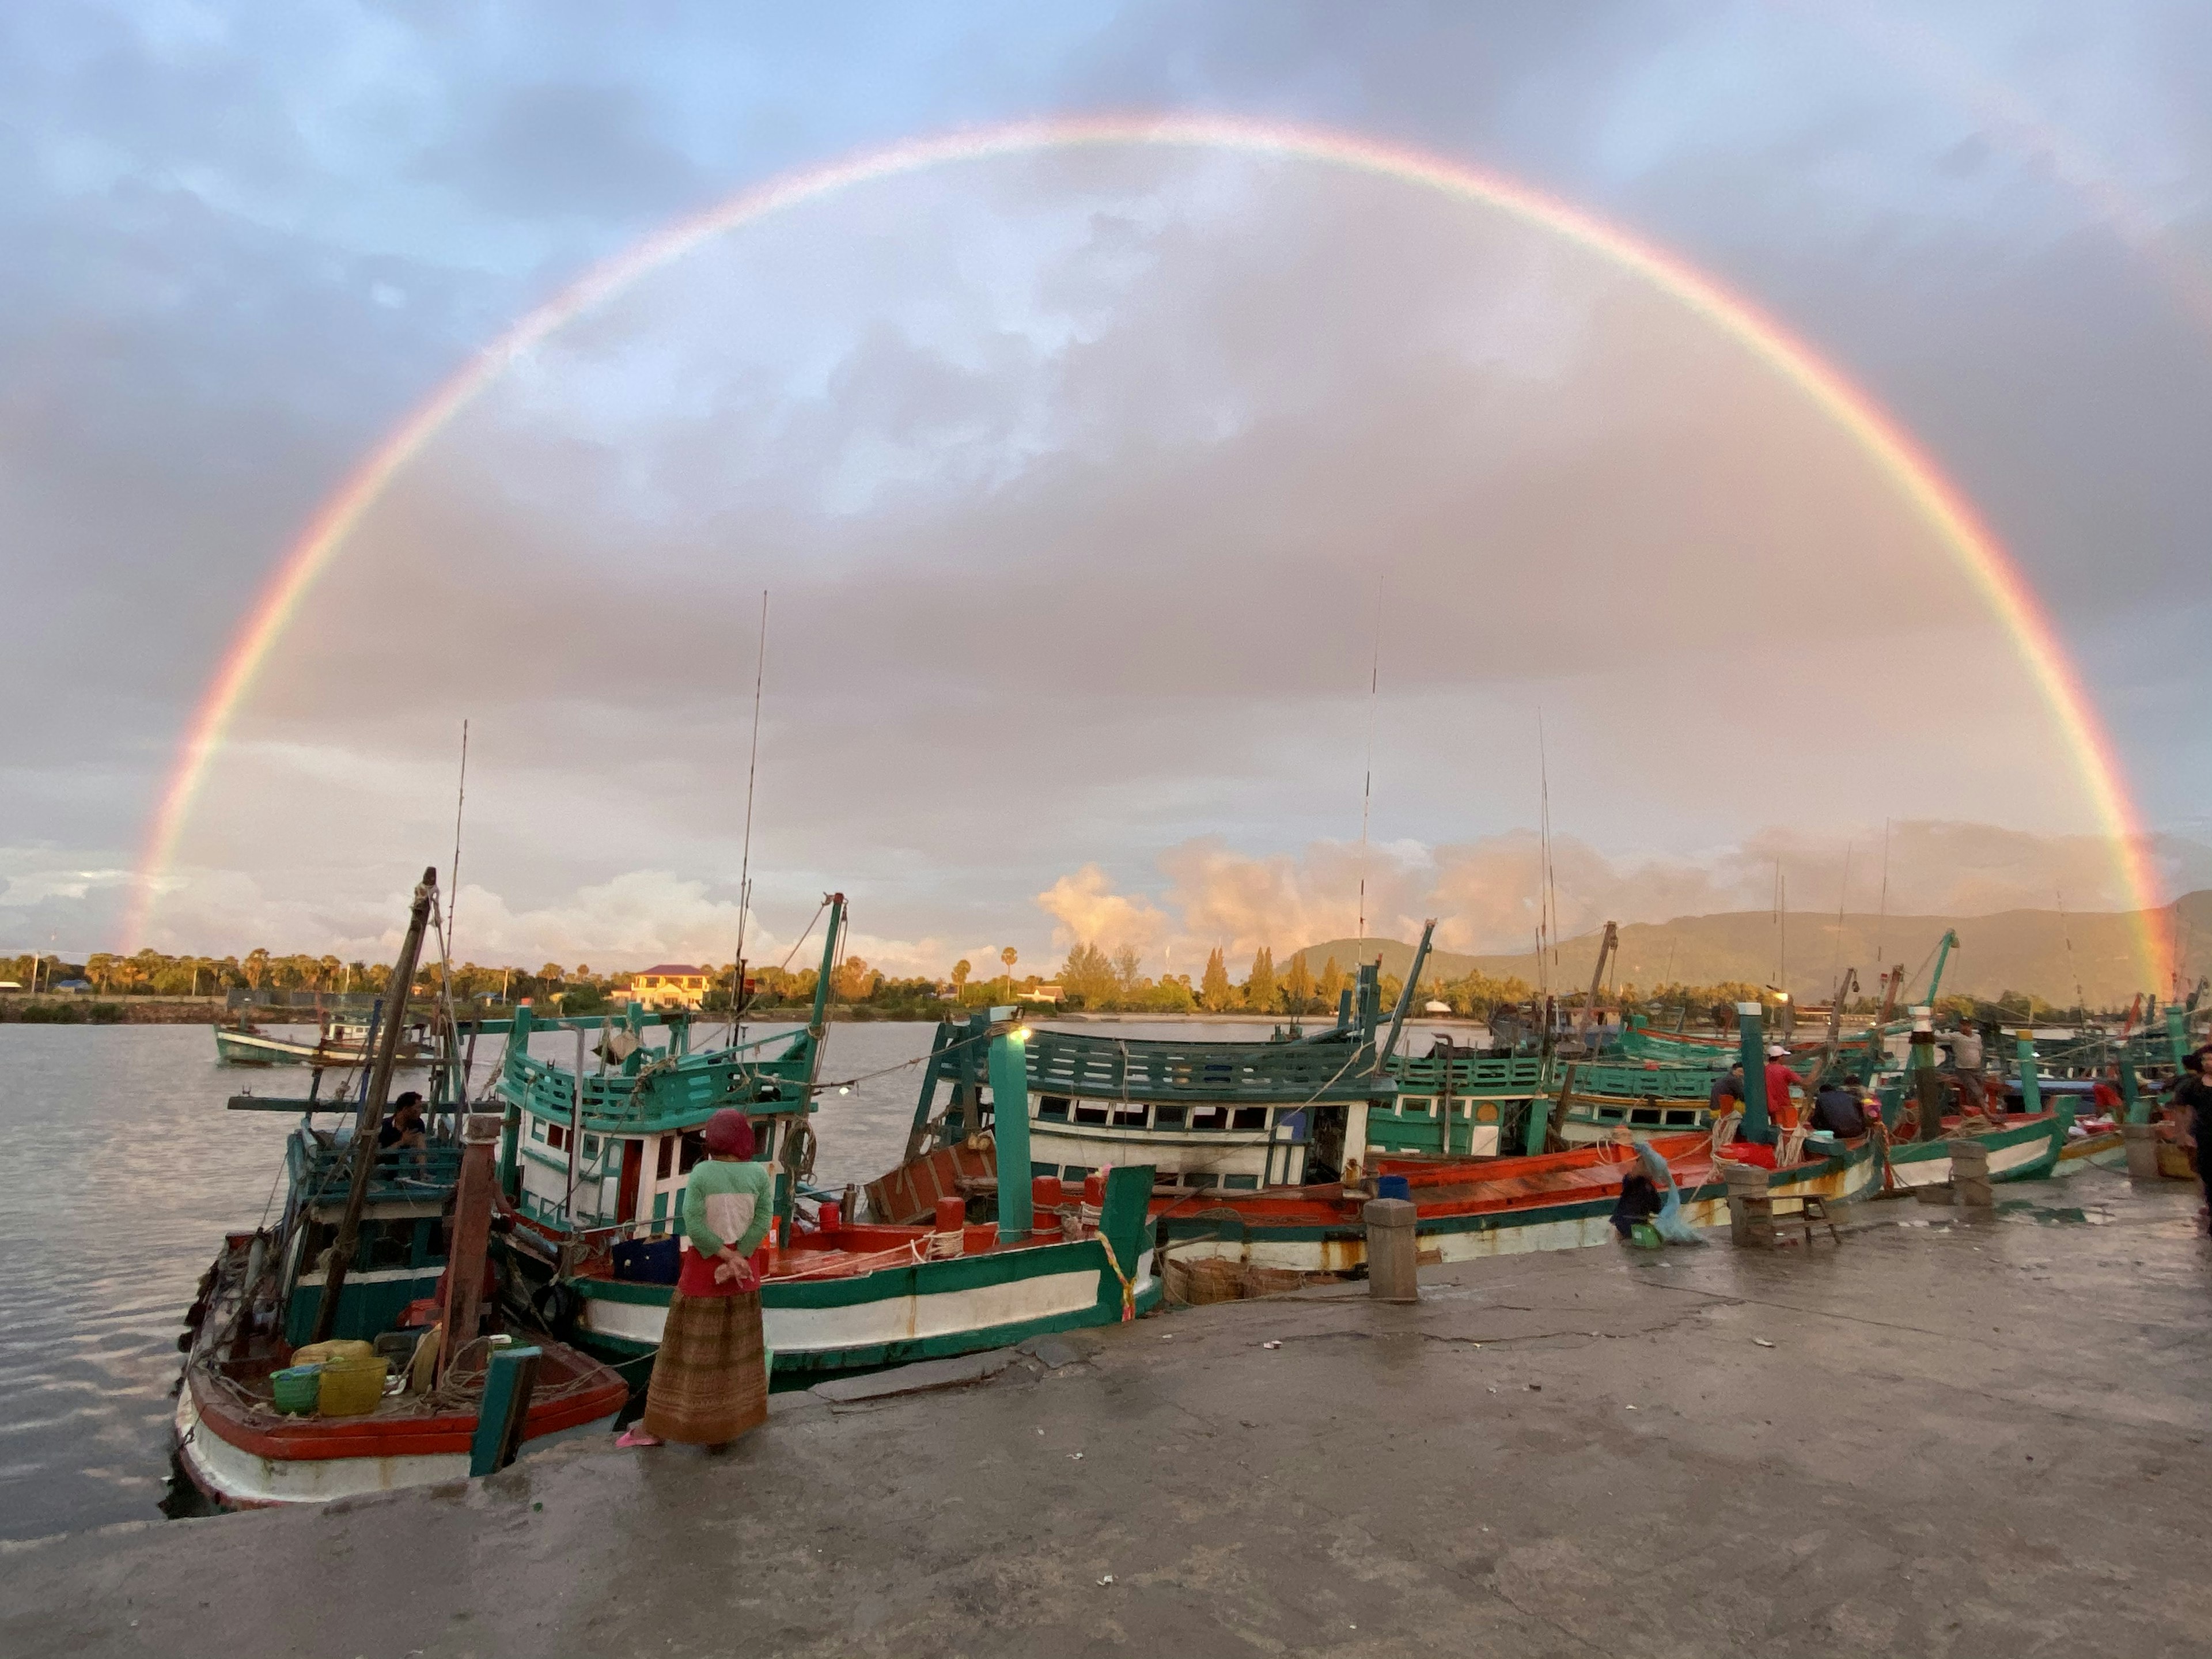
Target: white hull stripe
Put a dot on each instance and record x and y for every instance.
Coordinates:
(797, 1331)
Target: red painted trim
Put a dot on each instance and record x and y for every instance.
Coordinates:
(307, 1439)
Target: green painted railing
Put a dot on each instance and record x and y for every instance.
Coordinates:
(1518, 1074)
(1111, 1068)
(321, 1174)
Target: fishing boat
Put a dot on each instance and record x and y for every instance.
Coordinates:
(1266, 1151)
(594, 1160)
(342, 1038)
(1466, 1209)
(351, 1347)
(2021, 1147)
(1219, 1117)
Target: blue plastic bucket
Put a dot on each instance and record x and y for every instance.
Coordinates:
(1390, 1186)
(296, 1389)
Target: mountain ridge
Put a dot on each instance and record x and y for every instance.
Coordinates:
(2045, 953)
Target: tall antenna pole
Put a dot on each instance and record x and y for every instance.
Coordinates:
(745, 857)
(2066, 930)
(1881, 926)
(1548, 898)
(1843, 898)
(1367, 789)
(1782, 923)
(453, 872)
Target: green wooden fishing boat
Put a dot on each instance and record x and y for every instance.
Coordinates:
(595, 1159)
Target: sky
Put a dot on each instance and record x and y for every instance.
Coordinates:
(1163, 545)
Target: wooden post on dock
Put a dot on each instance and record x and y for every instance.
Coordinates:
(1970, 1178)
(1393, 1249)
(372, 1106)
(1751, 1211)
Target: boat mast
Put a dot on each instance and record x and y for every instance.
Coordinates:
(745, 856)
(372, 1106)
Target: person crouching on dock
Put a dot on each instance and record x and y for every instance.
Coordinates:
(710, 1377)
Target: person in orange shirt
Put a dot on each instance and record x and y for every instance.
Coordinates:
(1781, 1107)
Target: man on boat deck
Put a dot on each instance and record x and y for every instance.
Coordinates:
(1727, 1092)
(1841, 1109)
(1965, 1046)
(404, 1129)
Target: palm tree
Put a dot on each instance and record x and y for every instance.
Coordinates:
(1009, 956)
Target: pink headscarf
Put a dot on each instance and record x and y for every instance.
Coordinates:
(729, 1134)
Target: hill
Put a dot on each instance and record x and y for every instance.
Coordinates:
(2042, 953)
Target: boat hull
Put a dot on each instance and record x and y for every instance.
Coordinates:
(2020, 1150)
(248, 1460)
(258, 1048)
(817, 1328)
(1335, 1243)
(2108, 1150)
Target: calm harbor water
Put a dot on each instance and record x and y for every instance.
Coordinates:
(125, 1172)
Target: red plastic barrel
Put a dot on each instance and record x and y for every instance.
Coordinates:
(952, 1214)
(1094, 1188)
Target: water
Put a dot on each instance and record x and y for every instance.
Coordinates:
(124, 1172)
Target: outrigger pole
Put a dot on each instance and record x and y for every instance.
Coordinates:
(372, 1106)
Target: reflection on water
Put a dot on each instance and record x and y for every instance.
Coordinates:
(124, 1170)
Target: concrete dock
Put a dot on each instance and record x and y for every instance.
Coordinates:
(1943, 1438)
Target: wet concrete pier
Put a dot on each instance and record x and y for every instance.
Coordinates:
(1937, 1439)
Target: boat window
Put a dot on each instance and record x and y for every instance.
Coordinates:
(695, 1148)
(389, 1243)
(1209, 1117)
(1168, 1117)
(1644, 1114)
(537, 1128)
(667, 1166)
(1682, 1117)
(1250, 1117)
(591, 1146)
(1054, 1106)
(557, 1137)
(1129, 1117)
(1074, 1172)
(1044, 1171)
(1089, 1112)
(1240, 1183)
(1412, 1108)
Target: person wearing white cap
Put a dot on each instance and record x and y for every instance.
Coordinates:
(1781, 1107)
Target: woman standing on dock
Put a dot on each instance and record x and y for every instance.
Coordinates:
(710, 1377)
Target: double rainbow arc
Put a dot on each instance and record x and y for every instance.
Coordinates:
(1908, 467)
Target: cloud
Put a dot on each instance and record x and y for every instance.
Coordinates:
(1485, 893)
(1084, 911)
(1074, 477)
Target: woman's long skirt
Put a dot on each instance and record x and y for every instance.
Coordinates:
(709, 1379)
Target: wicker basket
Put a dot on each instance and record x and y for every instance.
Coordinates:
(352, 1386)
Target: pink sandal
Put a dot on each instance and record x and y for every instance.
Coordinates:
(633, 1436)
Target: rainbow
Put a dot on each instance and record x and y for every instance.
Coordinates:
(1911, 469)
